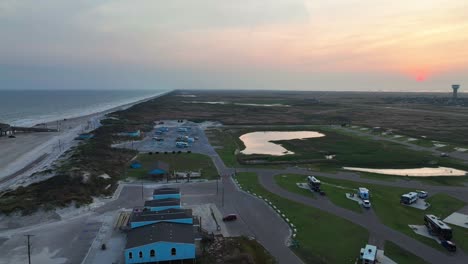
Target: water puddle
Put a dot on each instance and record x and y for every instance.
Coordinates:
(260, 142)
(417, 172)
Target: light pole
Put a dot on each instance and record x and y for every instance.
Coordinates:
(29, 248)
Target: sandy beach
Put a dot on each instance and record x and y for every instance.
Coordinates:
(32, 152)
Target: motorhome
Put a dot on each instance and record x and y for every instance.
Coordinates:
(437, 228)
(363, 193)
(409, 198)
(314, 183)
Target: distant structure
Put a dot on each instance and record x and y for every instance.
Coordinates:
(455, 88)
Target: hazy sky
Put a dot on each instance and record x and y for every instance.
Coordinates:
(242, 44)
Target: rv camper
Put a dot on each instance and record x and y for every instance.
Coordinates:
(437, 228)
(314, 183)
(409, 198)
(363, 193)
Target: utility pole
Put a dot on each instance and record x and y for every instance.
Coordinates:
(142, 197)
(222, 190)
(29, 248)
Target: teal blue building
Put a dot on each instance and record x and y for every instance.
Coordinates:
(166, 193)
(162, 204)
(160, 242)
(143, 218)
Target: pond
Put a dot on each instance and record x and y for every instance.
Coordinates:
(242, 104)
(416, 172)
(260, 142)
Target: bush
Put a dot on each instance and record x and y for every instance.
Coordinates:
(150, 153)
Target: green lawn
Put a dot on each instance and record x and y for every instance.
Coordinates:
(322, 237)
(386, 204)
(400, 255)
(178, 162)
(334, 193)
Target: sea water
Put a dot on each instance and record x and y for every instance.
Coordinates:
(28, 108)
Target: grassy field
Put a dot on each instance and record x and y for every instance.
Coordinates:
(227, 145)
(350, 150)
(335, 194)
(400, 255)
(178, 162)
(322, 237)
(386, 204)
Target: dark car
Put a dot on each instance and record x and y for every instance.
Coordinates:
(12, 136)
(449, 245)
(230, 217)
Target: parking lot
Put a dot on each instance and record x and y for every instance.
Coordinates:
(155, 141)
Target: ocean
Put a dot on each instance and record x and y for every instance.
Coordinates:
(27, 108)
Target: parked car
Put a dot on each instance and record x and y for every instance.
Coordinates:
(230, 217)
(422, 194)
(12, 136)
(366, 204)
(444, 155)
(158, 139)
(449, 245)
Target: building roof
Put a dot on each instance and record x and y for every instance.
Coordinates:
(369, 252)
(160, 232)
(162, 202)
(166, 190)
(162, 215)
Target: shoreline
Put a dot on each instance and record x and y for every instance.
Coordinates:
(20, 155)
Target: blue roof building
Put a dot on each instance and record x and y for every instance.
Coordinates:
(162, 204)
(160, 242)
(181, 216)
(166, 193)
(368, 254)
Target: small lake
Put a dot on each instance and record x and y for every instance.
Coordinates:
(417, 172)
(242, 104)
(260, 142)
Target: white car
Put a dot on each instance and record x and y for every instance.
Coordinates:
(422, 194)
(366, 203)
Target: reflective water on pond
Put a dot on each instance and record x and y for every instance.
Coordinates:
(259, 142)
(417, 172)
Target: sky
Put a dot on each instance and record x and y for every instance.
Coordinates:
(362, 45)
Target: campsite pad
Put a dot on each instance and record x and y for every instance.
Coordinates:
(457, 219)
(422, 230)
(419, 204)
(354, 198)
